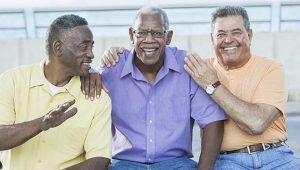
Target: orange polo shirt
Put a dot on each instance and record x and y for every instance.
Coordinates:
(261, 80)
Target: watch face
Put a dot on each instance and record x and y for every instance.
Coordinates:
(210, 89)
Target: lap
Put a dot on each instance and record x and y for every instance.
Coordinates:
(277, 158)
(177, 163)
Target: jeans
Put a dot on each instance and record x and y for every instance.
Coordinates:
(172, 164)
(281, 158)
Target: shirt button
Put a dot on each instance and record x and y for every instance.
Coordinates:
(39, 161)
(150, 102)
(149, 159)
(150, 121)
(150, 140)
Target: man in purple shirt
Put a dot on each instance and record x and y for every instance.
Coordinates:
(155, 102)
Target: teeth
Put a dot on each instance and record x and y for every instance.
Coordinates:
(229, 48)
(87, 64)
(149, 50)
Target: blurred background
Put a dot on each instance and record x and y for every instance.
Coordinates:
(276, 27)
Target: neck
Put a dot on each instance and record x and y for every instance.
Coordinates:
(149, 71)
(55, 74)
(236, 65)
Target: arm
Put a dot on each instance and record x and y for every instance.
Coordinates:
(253, 118)
(91, 85)
(17, 134)
(97, 163)
(210, 144)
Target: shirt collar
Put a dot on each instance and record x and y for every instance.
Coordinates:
(170, 62)
(38, 79)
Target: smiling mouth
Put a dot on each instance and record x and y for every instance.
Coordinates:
(229, 48)
(149, 51)
(87, 64)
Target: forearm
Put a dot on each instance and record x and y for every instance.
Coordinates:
(250, 117)
(98, 163)
(211, 143)
(17, 134)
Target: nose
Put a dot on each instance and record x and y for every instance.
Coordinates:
(228, 38)
(149, 37)
(90, 54)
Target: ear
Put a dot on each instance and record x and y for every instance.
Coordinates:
(211, 38)
(169, 37)
(57, 48)
(130, 31)
(250, 35)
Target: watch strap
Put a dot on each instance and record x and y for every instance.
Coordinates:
(216, 84)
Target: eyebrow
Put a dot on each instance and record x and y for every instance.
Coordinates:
(87, 41)
(236, 29)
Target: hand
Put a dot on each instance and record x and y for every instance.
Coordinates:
(57, 116)
(110, 56)
(200, 70)
(91, 85)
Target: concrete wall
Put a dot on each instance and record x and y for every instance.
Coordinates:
(284, 46)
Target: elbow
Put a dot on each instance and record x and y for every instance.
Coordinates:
(256, 129)
(255, 132)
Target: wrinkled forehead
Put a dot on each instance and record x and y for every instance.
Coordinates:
(149, 21)
(229, 23)
(78, 33)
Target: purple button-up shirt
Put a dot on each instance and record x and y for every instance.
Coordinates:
(157, 119)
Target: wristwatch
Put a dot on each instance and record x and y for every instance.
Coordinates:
(210, 89)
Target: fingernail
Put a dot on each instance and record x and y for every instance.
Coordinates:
(98, 96)
(86, 96)
(83, 92)
(92, 98)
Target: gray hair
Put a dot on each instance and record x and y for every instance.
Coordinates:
(61, 24)
(153, 10)
(230, 11)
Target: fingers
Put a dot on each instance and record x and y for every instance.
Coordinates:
(63, 107)
(98, 86)
(86, 85)
(190, 63)
(111, 57)
(105, 61)
(66, 115)
(104, 88)
(187, 68)
(82, 84)
(58, 115)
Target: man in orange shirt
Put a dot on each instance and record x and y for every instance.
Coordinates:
(251, 91)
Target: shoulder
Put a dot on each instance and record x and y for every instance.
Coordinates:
(178, 53)
(267, 63)
(122, 60)
(19, 73)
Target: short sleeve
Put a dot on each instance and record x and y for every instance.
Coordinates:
(271, 89)
(7, 110)
(205, 110)
(98, 142)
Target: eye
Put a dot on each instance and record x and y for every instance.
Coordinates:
(140, 33)
(157, 34)
(236, 33)
(83, 47)
(221, 35)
